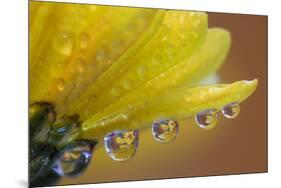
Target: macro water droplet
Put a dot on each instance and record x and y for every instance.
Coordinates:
(207, 119)
(128, 84)
(156, 60)
(165, 130)
(84, 41)
(142, 70)
(73, 158)
(231, 110)
(100, 55)
(121, 145)
(80, 65)
(115, 91)
(60, 84)
(64, 43)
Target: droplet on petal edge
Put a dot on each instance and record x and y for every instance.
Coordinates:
(165, 130)
(207, 119)
(231, 110)
(121, 145)
(73, 159)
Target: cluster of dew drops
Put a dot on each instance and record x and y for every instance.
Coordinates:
(121, 145)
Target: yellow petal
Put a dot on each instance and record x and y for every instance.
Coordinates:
(178, 37)
(77, 45)
(207, 60)
(179, 103)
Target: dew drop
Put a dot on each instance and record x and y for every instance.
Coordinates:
(121, 145)
(142, 70)
(165, 130)
(115, 91)
(156, 60)
(84, 41)
(207, 119)
(231, 110)
(60, 84)
(79, 66)
(100, 56)
(64, 43)
(73, 158)
(128, 84)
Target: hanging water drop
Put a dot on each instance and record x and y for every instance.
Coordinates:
(165, 130)
(74, 158)
(121, 145)
(231, 110)
(207, 119)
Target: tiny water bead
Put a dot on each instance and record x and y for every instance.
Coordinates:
(165, 130)
(73, 158)
(84, 41)
(142, 70)
(128, 84)
(207, 119)
(115, 91)
(121, 145)
(231, 110)
(60, 84)
(64, 42)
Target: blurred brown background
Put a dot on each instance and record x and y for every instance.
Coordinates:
(233, 147)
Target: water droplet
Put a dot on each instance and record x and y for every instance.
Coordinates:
(231, 110)
(115, 91)
(156, 60)
(84, 41)
(79, 66)
(121, 145)
(128, 84)
(142, 70)
(64, 43)
(207, 119)
(100, 55)
(60, 84)
(74, 158)
(165, 130)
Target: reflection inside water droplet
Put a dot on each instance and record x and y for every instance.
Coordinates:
(165, 130)
(231, 110)
(207, 119)
(73, 159)
(121, 145)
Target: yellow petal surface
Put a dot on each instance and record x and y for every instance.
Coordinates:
(78, 44)
(179, 103)
(180, 35)
(205, 61)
